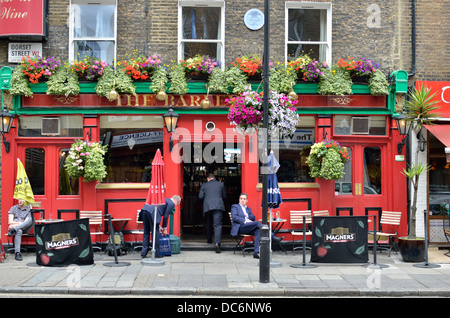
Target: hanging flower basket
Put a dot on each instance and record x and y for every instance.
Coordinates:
(85, 159)
(246, 113)
(326, 160)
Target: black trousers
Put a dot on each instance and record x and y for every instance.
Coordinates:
(213, 223)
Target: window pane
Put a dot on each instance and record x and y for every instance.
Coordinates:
(130, 150)
(93, 21)
(372, 170)
(342, 125)
(71, 126)
(201, 23)
(97, 49)
(439, 177)
(191, 49)
(35, 168)
(304, 25)
(345, 184)
(292, 152)
(67, 184)
(313, 50)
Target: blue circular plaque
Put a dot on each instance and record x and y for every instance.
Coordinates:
(254, 19)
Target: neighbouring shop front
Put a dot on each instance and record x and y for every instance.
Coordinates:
(437, 154)
(132, 127)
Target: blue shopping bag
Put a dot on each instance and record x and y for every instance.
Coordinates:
(164, 245)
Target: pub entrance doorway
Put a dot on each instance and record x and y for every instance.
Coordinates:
(226, 170)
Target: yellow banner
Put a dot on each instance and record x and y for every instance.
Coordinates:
(23, 190)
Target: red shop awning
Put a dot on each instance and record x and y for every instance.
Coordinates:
(441, 132)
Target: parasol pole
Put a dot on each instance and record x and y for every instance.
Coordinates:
(154, 235)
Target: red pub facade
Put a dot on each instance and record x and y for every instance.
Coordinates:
(204, 140)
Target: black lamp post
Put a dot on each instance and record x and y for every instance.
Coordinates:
(171, 121)
(403, 129)
(7, 120)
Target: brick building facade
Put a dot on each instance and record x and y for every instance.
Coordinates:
(381, 31)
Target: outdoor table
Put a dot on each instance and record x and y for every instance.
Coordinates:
(124, 222)
(277, 223)
(45, 221)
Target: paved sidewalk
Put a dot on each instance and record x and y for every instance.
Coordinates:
(205, 273)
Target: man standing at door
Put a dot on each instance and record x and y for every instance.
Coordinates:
(213, 195)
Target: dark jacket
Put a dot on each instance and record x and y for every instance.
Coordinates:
(162, 211)
(238, 218)
(213, 195)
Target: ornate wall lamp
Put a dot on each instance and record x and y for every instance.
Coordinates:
(171, 121)
(403, 129)
(7, 120)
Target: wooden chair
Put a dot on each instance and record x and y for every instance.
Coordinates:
(2, 252)
(240, 243)
(321, 213)
(392, 219)
(296, 217)
(95, 222)
(26, 233)
(137, 231)
(446, 228)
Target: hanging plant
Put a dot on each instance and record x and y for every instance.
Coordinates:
(326, 160)
(246, 113)
(86, 159)
(63, 82)
(119, 81)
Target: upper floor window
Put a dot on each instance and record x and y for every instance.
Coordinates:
(93, 29)
(201, 29)
(308, 26)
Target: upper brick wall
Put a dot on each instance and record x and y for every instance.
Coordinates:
(150, 27)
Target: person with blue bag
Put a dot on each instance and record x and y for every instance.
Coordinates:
(147, 216)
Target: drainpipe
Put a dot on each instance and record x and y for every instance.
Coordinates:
(413, 39)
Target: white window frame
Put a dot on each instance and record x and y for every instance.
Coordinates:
(71, 27)
(311, 5)
(202, 3)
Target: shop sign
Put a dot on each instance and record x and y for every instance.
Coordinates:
(22, 17)
(442, 91)
(16, 51)
(194, 100)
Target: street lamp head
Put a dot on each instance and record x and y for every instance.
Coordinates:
(6, 123)
(402, 125)
(171, 120)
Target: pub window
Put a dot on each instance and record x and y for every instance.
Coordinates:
(201, 29)
(308, 30)
(439, 177)
(360, 125)
(372, 170)
(93, 29)
(35, 169)
(39, 126)
(345, 184)
(132, 143)
(292, 151)
(67, 184)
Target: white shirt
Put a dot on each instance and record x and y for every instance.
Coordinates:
(244, 209)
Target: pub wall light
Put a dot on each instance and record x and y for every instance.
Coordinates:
(171, 122)
(421, 141)
(403, 129)
(7, 120)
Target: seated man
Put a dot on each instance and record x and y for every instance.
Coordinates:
(19, 220)
(244, 222)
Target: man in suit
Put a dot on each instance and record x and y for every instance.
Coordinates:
(147, 214)
(244, 222)
(213, 195)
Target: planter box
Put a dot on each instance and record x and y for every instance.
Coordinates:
(200, 88)
(412, 250)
